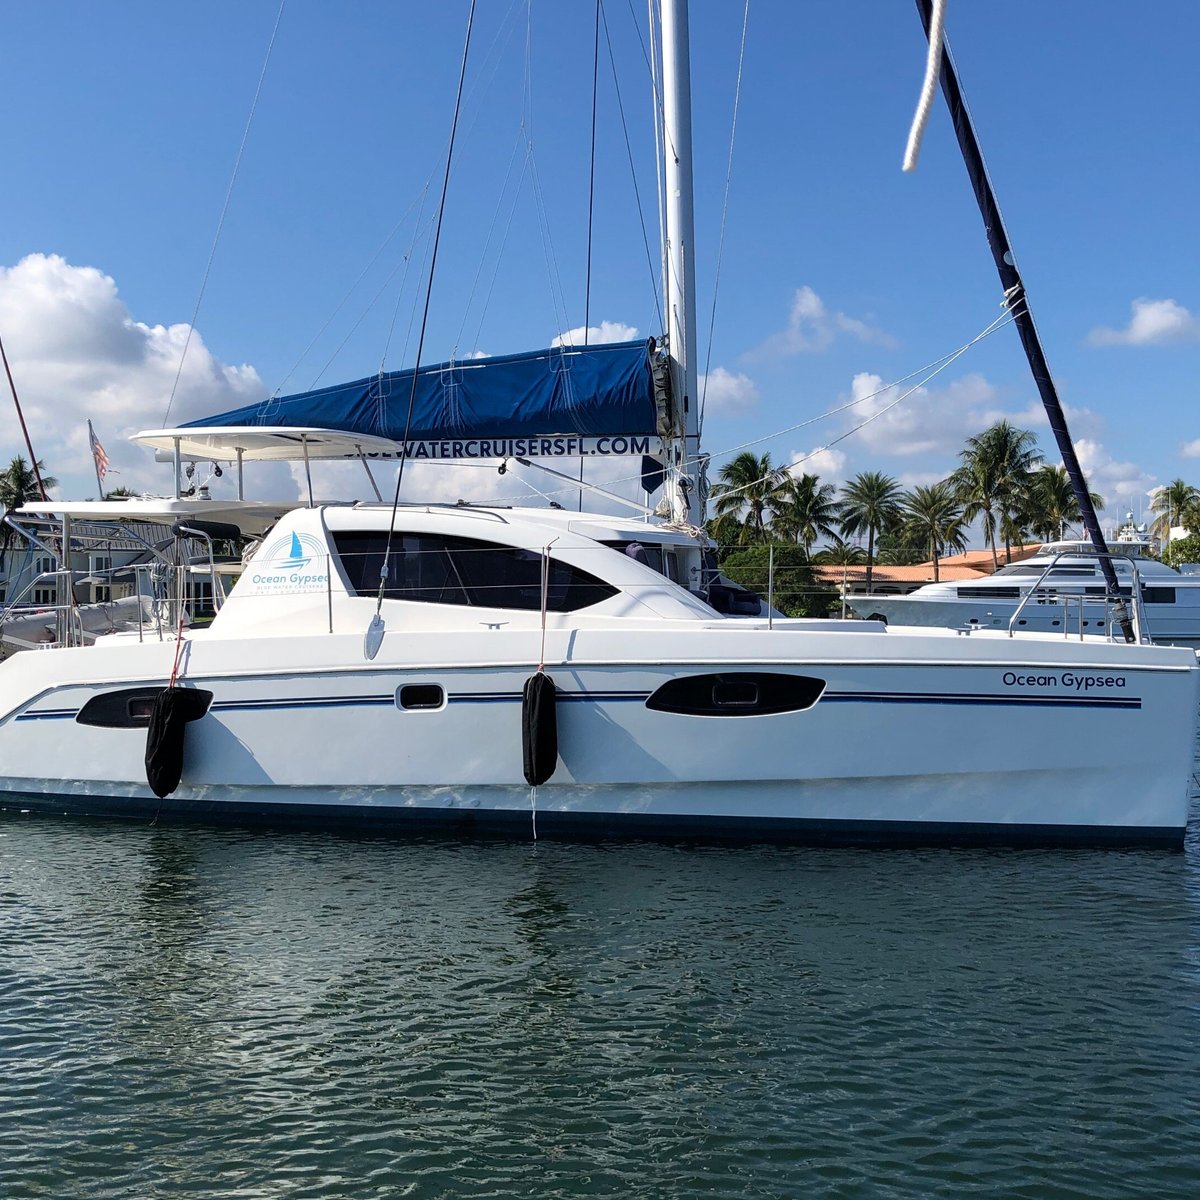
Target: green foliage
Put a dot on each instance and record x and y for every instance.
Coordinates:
(797, 592)
(1182, 550)
(747, 489)
(870, 505)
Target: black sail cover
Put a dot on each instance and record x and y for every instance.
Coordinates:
(1014, 288)
(174, 708)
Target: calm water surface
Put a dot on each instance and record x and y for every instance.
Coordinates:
(189, 1012)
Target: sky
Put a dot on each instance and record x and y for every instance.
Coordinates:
(840, 275)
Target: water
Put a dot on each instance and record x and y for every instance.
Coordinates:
(189, 1012)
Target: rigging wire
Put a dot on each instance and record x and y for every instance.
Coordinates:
(33, 461)
(587, 287)
(224, 210)
(412, 395)
(637, 195)
(712, 320)
(353, 288)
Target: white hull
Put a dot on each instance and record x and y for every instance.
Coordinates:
(900, 746)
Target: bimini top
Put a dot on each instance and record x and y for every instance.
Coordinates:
(264, 444)
(568, 392)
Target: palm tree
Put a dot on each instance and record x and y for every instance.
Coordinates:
(935, 516)
(1051, 502)
(18, 483)
(870, 502)
(992, 479)
(747, 488)
(805, 509)
(840, 554)
(1169, 501)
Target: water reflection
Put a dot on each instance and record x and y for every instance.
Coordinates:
(314, 1015)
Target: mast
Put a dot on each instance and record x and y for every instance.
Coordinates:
(1018, 303)
(679, 258)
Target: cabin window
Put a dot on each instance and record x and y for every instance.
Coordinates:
(737, 694)
(1158, 595)
(988, 593)
(438, 569)
(128, 708)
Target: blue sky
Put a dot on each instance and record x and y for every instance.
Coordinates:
(841, 274)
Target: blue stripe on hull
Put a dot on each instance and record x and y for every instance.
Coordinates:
(594, 826)
(388, 701)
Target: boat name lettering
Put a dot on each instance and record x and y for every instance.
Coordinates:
(1068, 679)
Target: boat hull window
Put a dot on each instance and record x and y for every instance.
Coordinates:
(737, 694)
(128, 708)
(436, 569)
(415, 696)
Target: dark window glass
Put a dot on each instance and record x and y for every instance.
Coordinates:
(421, 695)
(129, 708)
(1158, 595)
(737, 694)
(988, 593)
(452, 570)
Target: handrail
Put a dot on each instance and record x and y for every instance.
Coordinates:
(1139, 614)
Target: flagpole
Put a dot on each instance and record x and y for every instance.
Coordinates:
(33, 462)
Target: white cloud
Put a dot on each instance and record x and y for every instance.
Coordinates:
(1118, 482)
(597, 335)
(928, 421)
(1190, 449)
(1153, 323)
(830, 465)
(812, 327)
(77, 353)
(727, 393)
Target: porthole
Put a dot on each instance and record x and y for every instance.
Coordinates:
(417, 696)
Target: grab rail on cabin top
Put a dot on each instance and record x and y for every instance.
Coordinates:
(1108, 600)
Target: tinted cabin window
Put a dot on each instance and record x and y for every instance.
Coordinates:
(453, 570)
(737, 694)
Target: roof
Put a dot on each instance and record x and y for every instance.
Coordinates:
(921, 573)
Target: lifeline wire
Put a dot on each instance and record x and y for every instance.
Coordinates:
(224, 209)
(412, 395)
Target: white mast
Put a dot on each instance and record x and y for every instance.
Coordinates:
(683, 470)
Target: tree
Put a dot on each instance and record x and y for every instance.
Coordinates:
(1182, 550)
(747, 488)
(1170, 502)
(934, 515)
(870, 502)
(992, 480)
(840, 554)
(794, 589)
(804, 510)
(18, 483)
(1050, 502)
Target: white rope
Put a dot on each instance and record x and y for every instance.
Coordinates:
(933, 66)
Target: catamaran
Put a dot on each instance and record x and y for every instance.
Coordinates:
(534, 671)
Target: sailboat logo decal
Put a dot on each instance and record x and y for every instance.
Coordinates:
(296, 557)
(293, 562)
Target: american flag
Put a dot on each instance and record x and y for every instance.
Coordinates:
(98, 453)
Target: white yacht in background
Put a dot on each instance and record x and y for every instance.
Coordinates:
(1059, 590)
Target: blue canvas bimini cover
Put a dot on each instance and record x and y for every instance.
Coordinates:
(569, 393)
